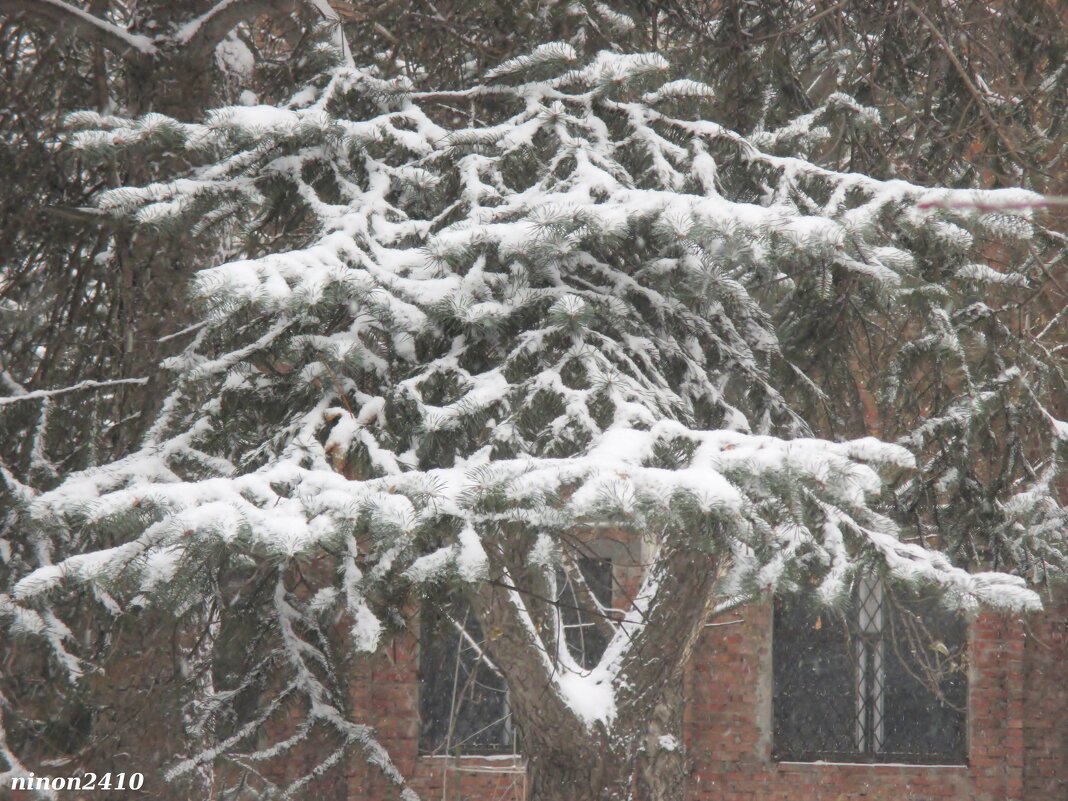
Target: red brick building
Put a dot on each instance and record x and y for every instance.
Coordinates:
(1015, 744)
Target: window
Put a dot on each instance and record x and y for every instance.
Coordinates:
(463, 700)
(585, 639)
(884, 682)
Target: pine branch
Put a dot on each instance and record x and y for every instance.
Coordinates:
(89, 27)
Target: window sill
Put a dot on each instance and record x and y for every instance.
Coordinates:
(820, 765)
(516, 758)
(479, 763)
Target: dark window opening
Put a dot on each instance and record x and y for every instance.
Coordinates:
(886, 681)
(586, 639)
(463, 699)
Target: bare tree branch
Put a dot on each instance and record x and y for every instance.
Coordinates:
(201, 35)
(38, 394)
(980, 101)
(87, 26)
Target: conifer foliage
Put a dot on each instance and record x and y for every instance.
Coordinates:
(558, 300)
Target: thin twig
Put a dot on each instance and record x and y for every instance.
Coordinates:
(39, 394)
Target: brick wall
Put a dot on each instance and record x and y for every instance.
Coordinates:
(1045, 729)
(729, 726)
(1018, 725)
(385, 693)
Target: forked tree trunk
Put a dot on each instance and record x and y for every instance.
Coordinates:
(638, 754)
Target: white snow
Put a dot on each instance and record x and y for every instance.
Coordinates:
(233, 56)
(669, 743)
(589, 695)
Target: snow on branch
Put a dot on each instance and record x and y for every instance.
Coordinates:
(43, 394)
(86, 25)
(725, 477)
(1009, 201)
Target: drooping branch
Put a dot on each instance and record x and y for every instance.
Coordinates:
(63, 15)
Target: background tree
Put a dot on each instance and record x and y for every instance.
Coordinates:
(89, 306)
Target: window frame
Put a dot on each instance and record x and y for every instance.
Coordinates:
(871, 653)
(463, 639)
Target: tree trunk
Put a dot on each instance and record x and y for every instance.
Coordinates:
(590, 775)
(653, 768)
(638, 756)
(662, 767)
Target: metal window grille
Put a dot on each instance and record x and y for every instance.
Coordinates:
(585, 639)
(871, 667)
(463, 701)
(883, 682)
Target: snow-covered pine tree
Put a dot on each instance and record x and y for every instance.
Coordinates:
(586, 307)
(968, 94)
